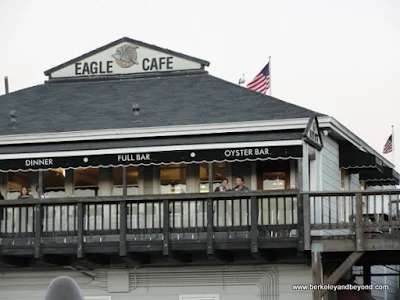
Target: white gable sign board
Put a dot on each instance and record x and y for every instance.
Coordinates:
(125, 58)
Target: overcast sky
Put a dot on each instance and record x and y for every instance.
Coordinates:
(339, 57)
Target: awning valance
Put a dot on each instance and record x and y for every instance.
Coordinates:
(389, 176)
(151, 157)
(351, 158)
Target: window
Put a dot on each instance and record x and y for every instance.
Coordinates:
(17, 180)
(173, 179)
(54, 183)
(273, 175)
(131, 181)
(86, 182)
(219, 172)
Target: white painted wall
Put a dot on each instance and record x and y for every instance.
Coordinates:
(228, 282)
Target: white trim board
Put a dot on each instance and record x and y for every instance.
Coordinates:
(199, 297)
(150, 149)
(133, 133)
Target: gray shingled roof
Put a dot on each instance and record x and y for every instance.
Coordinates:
(164, 101)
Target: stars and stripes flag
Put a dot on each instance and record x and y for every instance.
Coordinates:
(388, 147)
(262, 82)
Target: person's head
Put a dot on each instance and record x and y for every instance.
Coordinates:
(239, 180)
(224, 183)
(38, 190)
(24, 191)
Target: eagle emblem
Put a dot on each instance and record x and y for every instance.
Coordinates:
(126, 56)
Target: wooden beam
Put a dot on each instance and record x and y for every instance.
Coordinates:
(359, 223)
(376, 244)
(15, 261)
(343, 268)
(268, 256)
(137, 258)
(181, 256)
(224, 256)
(58, 260)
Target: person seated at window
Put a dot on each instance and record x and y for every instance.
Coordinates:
(24, 193)
(223, 187)
(240, 187)
(44, 195)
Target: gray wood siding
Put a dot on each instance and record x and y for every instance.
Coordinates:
(230, 283)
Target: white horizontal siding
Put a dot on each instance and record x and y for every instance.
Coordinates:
(230, 283)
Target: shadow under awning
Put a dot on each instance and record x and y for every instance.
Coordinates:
(389, 176)
(352, 158)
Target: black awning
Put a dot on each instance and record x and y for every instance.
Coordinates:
(352, 158)
(153, 158)
(389, 176)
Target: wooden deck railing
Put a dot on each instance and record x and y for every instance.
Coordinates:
(253, 216)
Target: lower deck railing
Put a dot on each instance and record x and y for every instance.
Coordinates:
(288, 214)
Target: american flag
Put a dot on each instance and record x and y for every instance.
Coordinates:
(388, 147)
(261, 83)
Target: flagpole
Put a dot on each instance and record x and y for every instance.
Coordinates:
(270, 77)
(393, 157)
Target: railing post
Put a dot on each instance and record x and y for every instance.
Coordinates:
(210, 226)
(122, 227)
(359, 223)
(166, 227)
(307, 221)
(254, 224)
(38, 230)
(300, 222)
(79, 251)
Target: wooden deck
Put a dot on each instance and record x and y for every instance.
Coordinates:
(200, 228)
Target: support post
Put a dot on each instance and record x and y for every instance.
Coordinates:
(123, 214)
(307, 222)
(40, 184)
(38, 229)
(166, 227)
(79, 251)
(316, 265)
(210, 226)
(367, 275)
(300, 222)
(254, 224)
(359, 223)
(210, 178)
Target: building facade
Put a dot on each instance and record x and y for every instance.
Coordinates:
(135, 120)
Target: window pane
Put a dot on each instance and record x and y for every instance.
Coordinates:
(219, 172)
(173, 179)
(86, 182)
(54, 183)
(273, 175)
(131, 181)
(15, 181)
